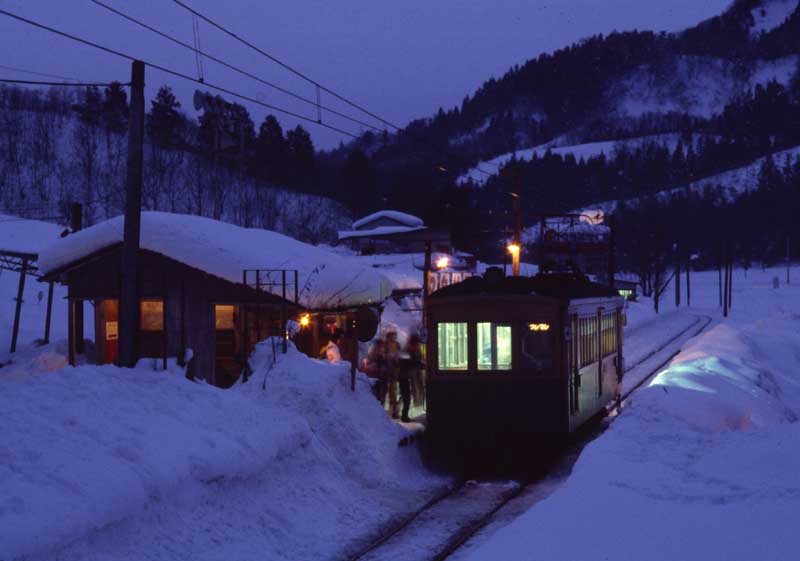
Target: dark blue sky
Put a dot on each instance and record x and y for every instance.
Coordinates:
(402, 60)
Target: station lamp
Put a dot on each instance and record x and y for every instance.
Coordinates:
(514, 249)
(443, 262)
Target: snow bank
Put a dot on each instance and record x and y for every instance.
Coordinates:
(702, 465)
(326, 280)
(107, 463)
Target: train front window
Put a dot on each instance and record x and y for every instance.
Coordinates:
(537, 347)
(452, 346)
(494, 346)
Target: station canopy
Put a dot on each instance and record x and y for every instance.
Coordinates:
(326, 280)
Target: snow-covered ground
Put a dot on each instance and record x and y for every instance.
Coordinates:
(109, 463)
(702, 463)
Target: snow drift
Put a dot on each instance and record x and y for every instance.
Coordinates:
(702, 464)
(92, 457)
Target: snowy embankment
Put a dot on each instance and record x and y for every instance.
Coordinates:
(99, 462)
(702, 464)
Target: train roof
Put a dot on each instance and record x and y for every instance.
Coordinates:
(566, 287)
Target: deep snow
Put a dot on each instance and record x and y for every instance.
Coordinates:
(100, 462)
(701, 464)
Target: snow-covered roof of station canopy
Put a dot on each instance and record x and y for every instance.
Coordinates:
(23, 235)
(404, 219)
(326, 280)
(400, 223)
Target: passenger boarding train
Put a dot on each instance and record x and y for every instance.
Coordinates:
(515, 359)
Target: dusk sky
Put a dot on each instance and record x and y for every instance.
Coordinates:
(400, 60)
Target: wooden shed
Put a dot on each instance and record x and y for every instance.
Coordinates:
(206, 293)
(181, 308)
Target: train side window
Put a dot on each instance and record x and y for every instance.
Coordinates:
(452, 340)
(494, 346)
(588, 340)
(537, 347)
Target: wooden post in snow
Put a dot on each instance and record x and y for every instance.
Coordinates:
(18, 308)
(49, 316)
(129, 301)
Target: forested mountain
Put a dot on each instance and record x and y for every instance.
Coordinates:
(645, 122)
(726, 93)
(65, 145)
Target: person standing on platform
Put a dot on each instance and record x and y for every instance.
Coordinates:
(392, 366)
(332, 352)
(414, 350)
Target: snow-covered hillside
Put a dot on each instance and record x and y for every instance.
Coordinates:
(771, 14)
(48, 160)
(729, 184)
(698, 86)
(561, 147)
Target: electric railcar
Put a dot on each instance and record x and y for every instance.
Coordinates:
(516, 359)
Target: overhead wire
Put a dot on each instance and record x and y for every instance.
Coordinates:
(200, 53)
(41, 83)
(174, 72)
(32, 73)
(285, 65)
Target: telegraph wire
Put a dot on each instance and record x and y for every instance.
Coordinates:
(285, 65)
(174, 72)
(32, 73)
(199, 53)
(41, 83)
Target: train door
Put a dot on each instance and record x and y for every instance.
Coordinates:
(107, 331)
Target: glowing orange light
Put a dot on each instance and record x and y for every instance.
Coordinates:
(539, 326)
(443, 262)
(305, 320)
(513, 249)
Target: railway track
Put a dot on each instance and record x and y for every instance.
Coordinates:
(442, 527)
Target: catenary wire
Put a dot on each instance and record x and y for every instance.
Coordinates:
(285, 65)
(173, 72)
(199, 52)
(42, 74)
(40, 83)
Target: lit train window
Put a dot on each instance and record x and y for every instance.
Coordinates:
(537, 349)
(452, 346)
(494, 346)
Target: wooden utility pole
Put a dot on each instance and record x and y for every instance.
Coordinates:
(129, 301)
(612, 251)
(76, 224)
(725, 291)
(688, 283)
(515, 254)
(677, 283)
(730, 275)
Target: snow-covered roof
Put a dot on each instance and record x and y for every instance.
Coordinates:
(401, 217)
(380, 230)
(326, 280)
(22, 235)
